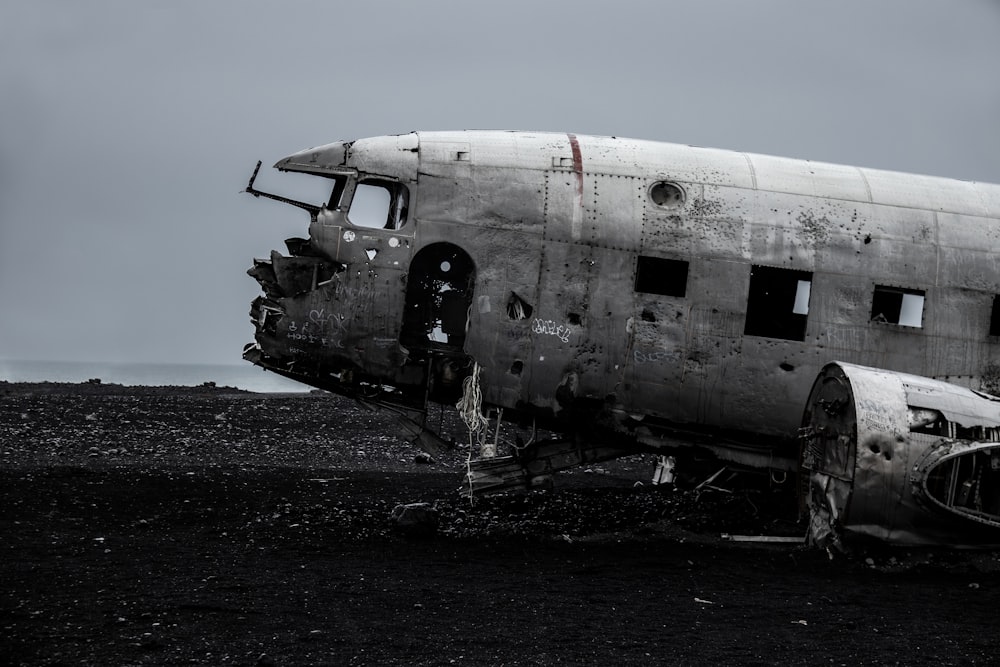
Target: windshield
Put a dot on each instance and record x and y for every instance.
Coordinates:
(379, 204)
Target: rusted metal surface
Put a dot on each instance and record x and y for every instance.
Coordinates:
(626, 293)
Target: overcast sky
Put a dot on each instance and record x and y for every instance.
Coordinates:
(128, 129)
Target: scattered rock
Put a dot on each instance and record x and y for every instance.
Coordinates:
(415, 519)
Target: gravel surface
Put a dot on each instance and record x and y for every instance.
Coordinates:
(213, 526)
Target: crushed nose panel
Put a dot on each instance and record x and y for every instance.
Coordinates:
(301, 274)
(290, 276)
(894, 457)
(265, 314)
(263, 273)
(328, 327)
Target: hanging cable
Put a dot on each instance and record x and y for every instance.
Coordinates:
(471, 404)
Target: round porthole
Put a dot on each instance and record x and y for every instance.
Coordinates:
(666, 194)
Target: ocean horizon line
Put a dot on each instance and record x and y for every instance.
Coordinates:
(150, 374)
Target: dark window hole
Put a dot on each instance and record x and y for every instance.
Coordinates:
(657, 275)
(778, 303)
(995, 317)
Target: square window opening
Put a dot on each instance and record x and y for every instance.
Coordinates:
(657, 275)
(379, 204)
(896, 305)
(778, 303)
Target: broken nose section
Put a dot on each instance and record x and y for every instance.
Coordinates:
(289, 327)
(328, 325)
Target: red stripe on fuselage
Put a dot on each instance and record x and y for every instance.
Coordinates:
(577, 163)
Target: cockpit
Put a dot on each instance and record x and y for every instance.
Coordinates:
(370, 202)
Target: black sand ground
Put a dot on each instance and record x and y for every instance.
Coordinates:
(209, 526)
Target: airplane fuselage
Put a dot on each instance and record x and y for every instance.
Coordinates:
(608, 285)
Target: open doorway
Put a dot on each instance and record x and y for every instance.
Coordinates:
(438, 295)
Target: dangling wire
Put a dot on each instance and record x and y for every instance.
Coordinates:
(471, 404)
(470, 410)
(515, 309)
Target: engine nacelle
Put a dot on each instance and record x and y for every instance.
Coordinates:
(900, 458)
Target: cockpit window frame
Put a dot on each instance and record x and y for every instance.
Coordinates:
(397, 212)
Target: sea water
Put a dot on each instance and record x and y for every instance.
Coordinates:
(245, 376)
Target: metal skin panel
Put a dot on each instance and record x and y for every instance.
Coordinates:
(507, 198)
(557, 325)
(444, 180)
(882, 455)
(613, 215)
(925, 192)
(813, 178)
(990, 196)
(559, 221)
(711, 222)
(957, 404)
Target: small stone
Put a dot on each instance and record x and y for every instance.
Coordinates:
(415, 519)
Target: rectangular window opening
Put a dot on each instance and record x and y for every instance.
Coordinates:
(778, 303)
(379, 204)
(995, 317)
(897, 305)
(657, 275)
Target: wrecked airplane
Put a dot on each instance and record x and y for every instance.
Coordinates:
(636, 296)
